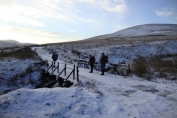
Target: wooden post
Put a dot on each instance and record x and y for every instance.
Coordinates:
(65, 69)
(52, 65)
(74, 72)
(129, 68)
(116, 70)
(58, 68)
(77, 73)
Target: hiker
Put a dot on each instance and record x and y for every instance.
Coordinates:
(91, 62)
(103, 61)
(54, 57)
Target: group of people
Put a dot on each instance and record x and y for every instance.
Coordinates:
(103, 61)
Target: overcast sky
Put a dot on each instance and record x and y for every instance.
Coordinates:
(47, 21)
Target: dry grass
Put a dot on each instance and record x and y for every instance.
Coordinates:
(76, 52)
(165, 66)
(140, 67)
(23, 53)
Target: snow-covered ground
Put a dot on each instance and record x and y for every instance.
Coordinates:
(96, 96)
(15, 74)
(116, 53)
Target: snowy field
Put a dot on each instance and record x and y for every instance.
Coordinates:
(96, 96)
(116, 53)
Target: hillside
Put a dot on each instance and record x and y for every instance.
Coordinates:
(11, 43)
(142, 30)
(4, 44)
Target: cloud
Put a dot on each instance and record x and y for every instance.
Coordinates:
(31, 12)
(165, 12)
(12, 14)
(71, 31)
(31, 35)
(7, 28)
(34, 32)
(118, 6)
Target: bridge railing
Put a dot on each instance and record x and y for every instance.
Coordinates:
(120, 69)
(51, 67)
(85, 64)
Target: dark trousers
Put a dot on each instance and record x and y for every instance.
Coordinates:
(103, 68)
(53, 62)
(91, 66)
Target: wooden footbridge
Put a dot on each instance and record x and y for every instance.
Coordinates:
(71, 71)
(62, 70)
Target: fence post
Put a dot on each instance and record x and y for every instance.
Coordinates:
(77, 73)
(58, 68)
(65, 69)
(74, 72)
(129, 68)
(47, 63)
(52, 65)
(116, 70)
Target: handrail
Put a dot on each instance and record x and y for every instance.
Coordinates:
(64, 69)
(45, 64)
(54, 69)
(60, 62)
(85, 64)
(75, 70)
(49, 67)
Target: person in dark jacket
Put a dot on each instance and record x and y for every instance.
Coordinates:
(91, 62)
(54, 57)
(103, 63)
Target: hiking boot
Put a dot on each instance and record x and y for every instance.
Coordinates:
(90, 72)
(101, 74)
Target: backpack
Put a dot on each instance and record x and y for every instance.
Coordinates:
(106, 58)
(54, 56)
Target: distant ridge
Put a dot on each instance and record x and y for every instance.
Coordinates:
(142, 30)
(11, 43)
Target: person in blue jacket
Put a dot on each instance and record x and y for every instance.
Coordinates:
(54, 57)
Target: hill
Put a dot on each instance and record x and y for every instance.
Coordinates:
(11, 43)
(142, 30)
(4, 44)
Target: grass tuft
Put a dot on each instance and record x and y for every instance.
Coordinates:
(23, 53)
(76, 52)
(160, 67)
